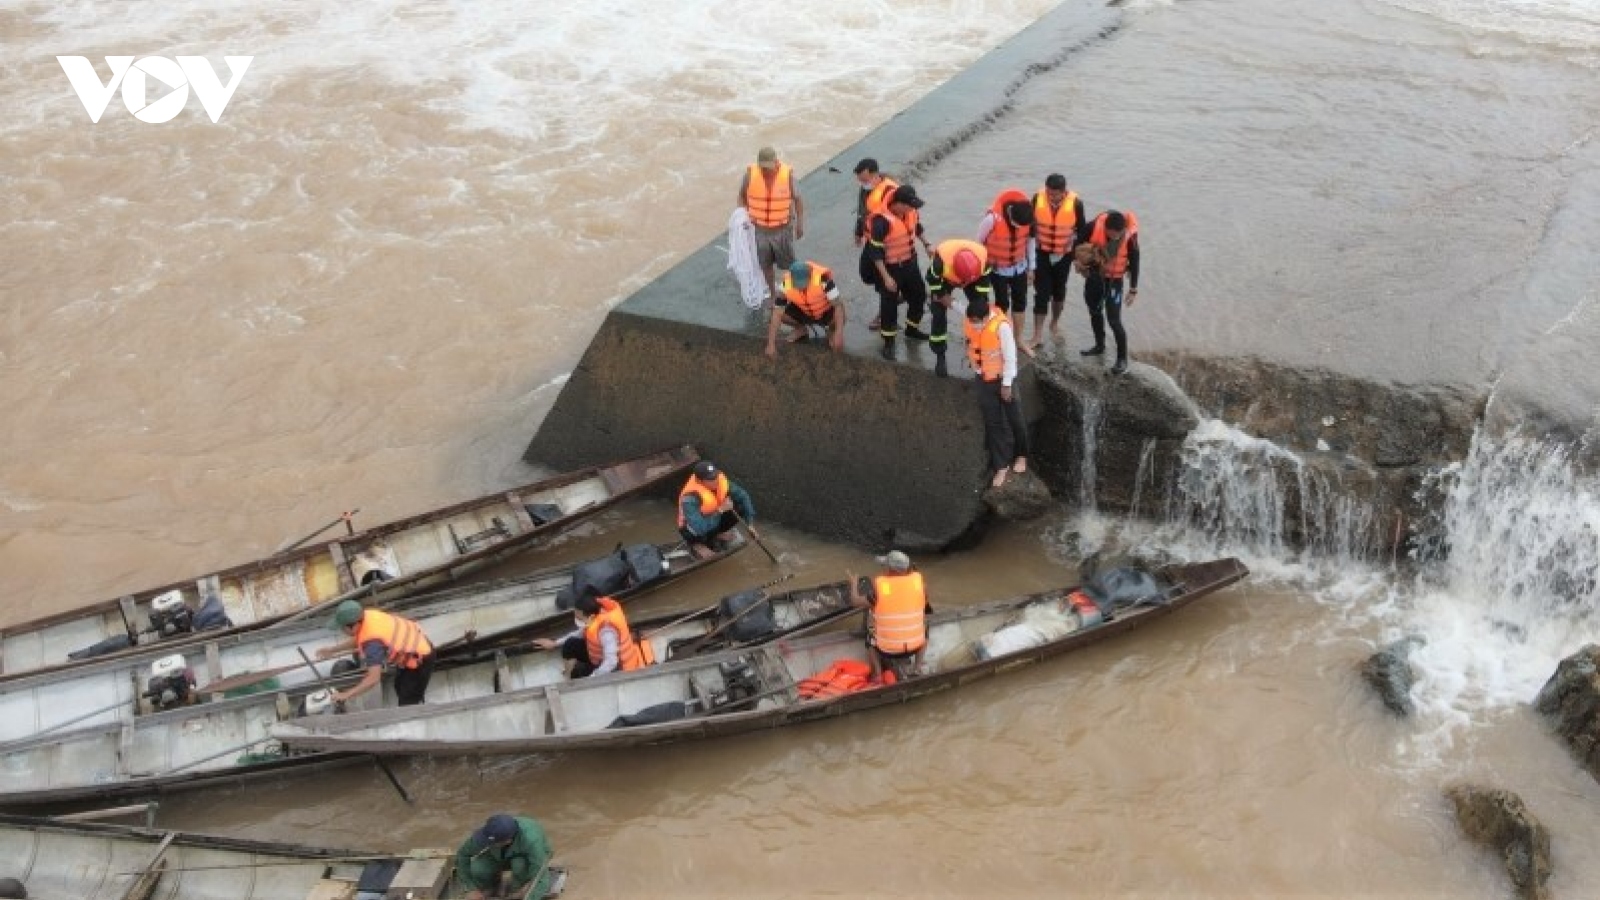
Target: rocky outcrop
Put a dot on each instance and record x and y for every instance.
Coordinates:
(1499, 820)
(1389, 672)
(1023, 498)
(1570, 702)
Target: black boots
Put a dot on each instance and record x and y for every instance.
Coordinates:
(913, 333)
(888, 349)
(1121, 366)
(939, 368)
(1096, 350)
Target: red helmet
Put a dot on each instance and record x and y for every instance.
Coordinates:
(966, 267)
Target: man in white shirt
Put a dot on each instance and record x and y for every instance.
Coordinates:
(992, 351)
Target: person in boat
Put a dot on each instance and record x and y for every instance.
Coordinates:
(508, 856)
(383, 639)
(602, 641)
(807, 296)
(709, 508)
(898, 633)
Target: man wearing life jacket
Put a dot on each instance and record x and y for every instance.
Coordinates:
(1114, 237)
(1057, 213)
(600, 642)
(955, 263)
(383, 640)
(709, 508)
(1004, 231)
(992, 352)
(504, 858)
(807, 296)
(889, 264)
(899, 602)
(873, 197)
(768, 193)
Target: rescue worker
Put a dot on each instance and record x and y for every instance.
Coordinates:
(807, 296)
(955, 264)
(898, 633)
(874, 196)
(1057, 213)
(1004, 231)
(383, 639)
(889, 264)
(992, 351)
(601, 642)
(769, 194)
(509, 856)
(709, 507)
(1114, 237)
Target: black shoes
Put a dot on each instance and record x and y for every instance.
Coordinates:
(1120, 367)
(1096, 350)
(939, 367)
(888, 349)
(913, 333)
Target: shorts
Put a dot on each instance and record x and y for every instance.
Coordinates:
(775, 247)
(801, 317)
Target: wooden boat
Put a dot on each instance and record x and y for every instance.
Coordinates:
(54, 860)
(128, 685)
(750, 688)
(231, 738)
(377, 565)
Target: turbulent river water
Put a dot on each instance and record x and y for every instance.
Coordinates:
(366, 283)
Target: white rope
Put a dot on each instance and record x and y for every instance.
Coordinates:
(742, 260)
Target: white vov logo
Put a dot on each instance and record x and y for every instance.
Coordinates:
(176, 77)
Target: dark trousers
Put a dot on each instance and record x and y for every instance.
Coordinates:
(1050, 282)
(909, 288)
(577, 650)
(1005, 435)
(1010, 291)
(726, 523)
(411, 685)
(1103, 296)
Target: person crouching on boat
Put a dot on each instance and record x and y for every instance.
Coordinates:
(709, 508)
(383, 639)
(898, 634)
(601, 642)
(507, 848)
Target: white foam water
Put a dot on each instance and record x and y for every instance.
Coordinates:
(1570, 27)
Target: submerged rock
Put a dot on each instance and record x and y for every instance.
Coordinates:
(1570, 702)
(1499, 820)
(1389, 672)
(1022, 498)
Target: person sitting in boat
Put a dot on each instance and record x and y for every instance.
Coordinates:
(506, 848)
(898, 634)
(383, 639)
(601, 642)
(710, 507)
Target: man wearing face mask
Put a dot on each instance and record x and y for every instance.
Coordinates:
(601, 642)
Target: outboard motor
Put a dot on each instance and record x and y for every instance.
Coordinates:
(170, 616)
(171, 683)
(317, 703)
(740, 679)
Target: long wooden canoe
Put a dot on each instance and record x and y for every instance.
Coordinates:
(56, 860)
(231, 738)
(746, 689)
(416, 553)
(116, 689)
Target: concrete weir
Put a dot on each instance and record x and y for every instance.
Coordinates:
(845, 445)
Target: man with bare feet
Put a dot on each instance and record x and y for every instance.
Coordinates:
(992, 351)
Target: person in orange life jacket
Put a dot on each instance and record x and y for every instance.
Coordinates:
(873, 197)
(899, 604)
(1057, 213)
(600, 642)
(992, 351)
(383, 639)
(769, 194)
(955, 264)
(706, 508)
(1004, 231)
(889, 264)
(1116, 236)
(807, 296)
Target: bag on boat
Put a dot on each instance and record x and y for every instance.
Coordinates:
(211, 614)
(652, 715)
(752, 625)
(601, 577)
(1123, 587)
(542, 513)
(1041, 623)
(109, 645)
(645, 563)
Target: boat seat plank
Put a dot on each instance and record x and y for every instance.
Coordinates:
(130, 616)
(524, 521)
(558, 713)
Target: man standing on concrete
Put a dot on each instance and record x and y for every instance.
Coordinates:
(769, 194)
(1057, 213)
(1112, 252)
(1004, 231)
(874, 197)
(956, 263)
(889, 264)
(992, 351)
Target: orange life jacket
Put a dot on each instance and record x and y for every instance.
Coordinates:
(1006, 243)
(898, 613)
(844, 676)
(769, 205)
(1054, 228)
(813, 300)
(403, 638)
(897, 244)
(629, 656)
(710, 500)
(1116, 264)
(945, 255)
(877, 200)
(1088, 611)
(983, 346)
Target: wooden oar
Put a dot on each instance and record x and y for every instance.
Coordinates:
(343, 517)
(700, 641)
(310, 860)
(710, 609)
(755, 537)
